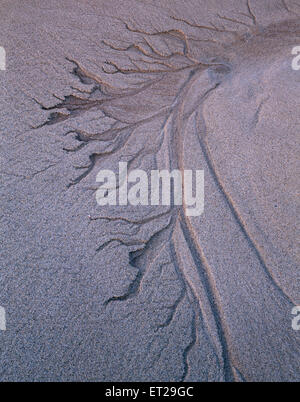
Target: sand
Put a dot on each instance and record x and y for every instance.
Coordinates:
(148, 293)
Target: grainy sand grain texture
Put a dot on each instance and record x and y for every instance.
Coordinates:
(148, 293)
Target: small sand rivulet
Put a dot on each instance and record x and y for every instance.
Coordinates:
(205, 86)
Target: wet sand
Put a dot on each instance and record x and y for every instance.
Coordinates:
(148, 293)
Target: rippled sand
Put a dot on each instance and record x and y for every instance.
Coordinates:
(148, 293)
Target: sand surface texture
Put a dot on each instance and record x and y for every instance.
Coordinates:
(148, 293)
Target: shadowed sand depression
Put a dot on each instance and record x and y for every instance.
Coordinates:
(149, 293)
